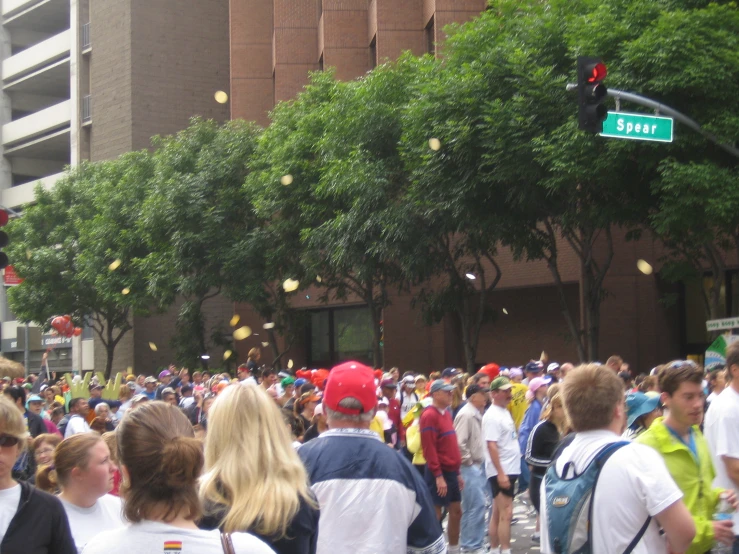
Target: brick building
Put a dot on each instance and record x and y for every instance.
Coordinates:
(91, 80)
(274, 45)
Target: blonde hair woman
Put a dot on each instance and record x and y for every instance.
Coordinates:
(32, 521)
(254, 480)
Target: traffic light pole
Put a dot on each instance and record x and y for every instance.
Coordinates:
(667, 110)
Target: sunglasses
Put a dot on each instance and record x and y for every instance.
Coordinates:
(8, 440)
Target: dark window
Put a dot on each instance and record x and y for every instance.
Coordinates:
(334, 335)
(695, 313)
(373, 53)
(431, 36)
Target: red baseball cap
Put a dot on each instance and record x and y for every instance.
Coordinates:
(350, 380)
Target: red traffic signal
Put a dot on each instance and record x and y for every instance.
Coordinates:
(591, 93)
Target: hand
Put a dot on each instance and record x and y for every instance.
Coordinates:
(441, 486)
(461, 482)
(503, 481)
(723, 532)
(730, 496)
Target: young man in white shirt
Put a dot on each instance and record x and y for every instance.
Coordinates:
(722, 432)
(78, 410)
(502, 463)
(634, 483)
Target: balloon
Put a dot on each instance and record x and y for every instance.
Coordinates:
(58, 323)
(303, 374)
(67, 318)
(77, 331)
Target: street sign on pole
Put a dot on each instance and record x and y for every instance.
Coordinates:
(635, 126)
(722, 324)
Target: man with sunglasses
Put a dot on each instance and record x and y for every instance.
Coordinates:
(678, 439)
(722, 432)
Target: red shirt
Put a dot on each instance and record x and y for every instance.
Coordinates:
(439, 441)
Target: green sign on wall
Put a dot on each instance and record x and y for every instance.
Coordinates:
(638, 127)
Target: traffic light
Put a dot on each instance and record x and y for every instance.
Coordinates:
(3, 239)
(591, 94)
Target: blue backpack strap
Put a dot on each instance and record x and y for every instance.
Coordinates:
(638, 536)
(600, 460)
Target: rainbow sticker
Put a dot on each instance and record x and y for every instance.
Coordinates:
(172, 547)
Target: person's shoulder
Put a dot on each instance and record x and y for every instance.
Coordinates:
(246, 543)
(112, 541)
(38, 498)
(111, 502)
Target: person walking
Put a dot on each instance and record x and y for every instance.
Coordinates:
(268, 491)
(468, 426)
(443, 458)
(371, 499)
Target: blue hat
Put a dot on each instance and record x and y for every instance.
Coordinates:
(639, 404)
(449, 372)
(440, 384)
(300, 382)
(534, 367)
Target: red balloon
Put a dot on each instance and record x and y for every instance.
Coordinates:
(58, 323)
(303, 374)
(67, 319)
(77, 331)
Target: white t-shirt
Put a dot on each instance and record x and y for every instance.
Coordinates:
(150, 537)
(634, 484)
(76, 425)
(498, 427)
(721, 430)
(186, 402)
(9, 501)
(85, 523)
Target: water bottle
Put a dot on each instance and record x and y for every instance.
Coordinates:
(724, 512)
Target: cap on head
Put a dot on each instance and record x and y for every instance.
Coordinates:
(534, 367)
(536, 383)
(388, 384)
(440, 385)
(150, 379)
(551, 368)
(474, 389)
(420, 378)
(501, 383)
(350, 380)
(449, 372)
(164, 373)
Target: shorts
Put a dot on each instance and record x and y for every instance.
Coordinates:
(493, 481)
(453, 494)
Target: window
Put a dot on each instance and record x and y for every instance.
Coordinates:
(431, 36)
(373, 53)
(334, 335)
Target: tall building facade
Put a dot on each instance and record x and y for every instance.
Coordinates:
(90, 80)
(274, 45)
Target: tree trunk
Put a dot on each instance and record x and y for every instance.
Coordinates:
(376, 315)
(109, 351)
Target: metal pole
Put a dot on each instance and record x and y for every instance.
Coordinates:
(681, 117)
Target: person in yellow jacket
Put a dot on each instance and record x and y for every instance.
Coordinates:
(413, 434)
(679, 440)
(518, 404)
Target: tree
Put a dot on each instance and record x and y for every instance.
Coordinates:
(191, 219)
(64, 245)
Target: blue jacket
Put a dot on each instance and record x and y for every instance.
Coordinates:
(530, 419)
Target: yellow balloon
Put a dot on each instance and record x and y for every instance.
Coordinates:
(221, 97)
(125, 291)
(227, 354)
(290, 285)
(435, 144)
(289, 364)
(286, 179)
(115, 264)
(644, 266)
(153, 346)
(235, 320)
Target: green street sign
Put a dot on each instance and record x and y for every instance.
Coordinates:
(637, 127)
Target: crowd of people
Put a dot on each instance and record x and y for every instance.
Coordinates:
(371, 462)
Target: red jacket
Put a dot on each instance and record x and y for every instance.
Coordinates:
(439, 441)
(393, 412)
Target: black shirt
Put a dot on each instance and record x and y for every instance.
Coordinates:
(301, 537)
(541, 446)
(39, 526)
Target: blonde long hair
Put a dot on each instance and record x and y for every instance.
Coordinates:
(251, 466)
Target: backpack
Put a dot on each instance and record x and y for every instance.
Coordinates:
(570, 505)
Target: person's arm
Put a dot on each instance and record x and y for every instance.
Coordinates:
(678, 526)
(732, 469)
(429, 432)
(462, 428)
